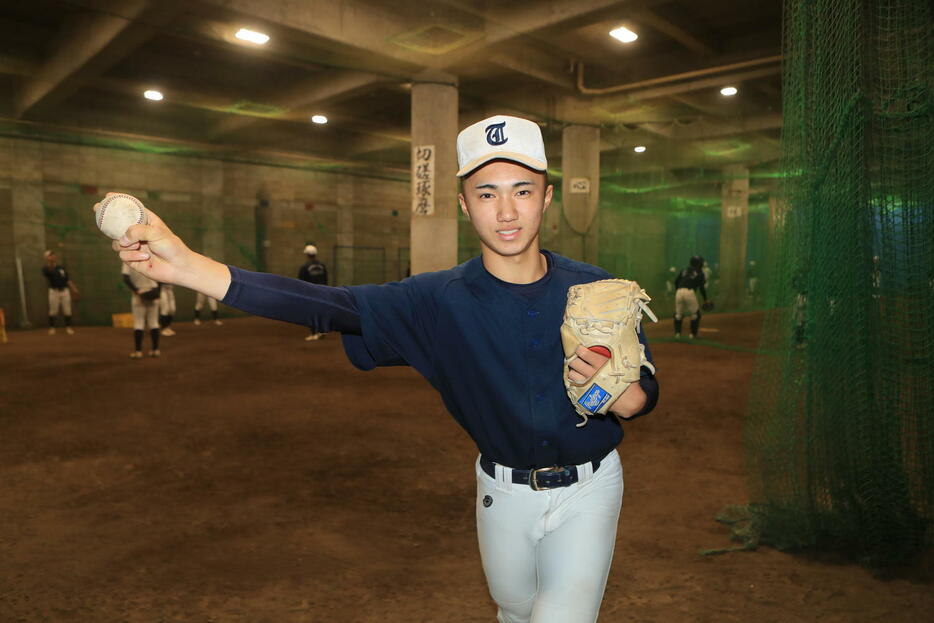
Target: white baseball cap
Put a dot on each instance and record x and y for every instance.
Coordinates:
(311, 250)
(500, 137)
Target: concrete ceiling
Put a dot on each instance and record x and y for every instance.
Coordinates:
(78, 68)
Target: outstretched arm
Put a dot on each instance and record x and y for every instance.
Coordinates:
(155, 251)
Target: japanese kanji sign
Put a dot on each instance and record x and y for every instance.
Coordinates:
(423, 179)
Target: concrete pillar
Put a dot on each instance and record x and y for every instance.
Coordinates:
(734, 225)
(28, 229)
(434, 170)
(580, 192)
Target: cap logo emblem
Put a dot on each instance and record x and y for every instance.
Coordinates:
(496, 133)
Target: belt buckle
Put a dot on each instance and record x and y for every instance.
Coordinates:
(533, 477)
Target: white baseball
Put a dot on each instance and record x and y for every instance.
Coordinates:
(116, 213)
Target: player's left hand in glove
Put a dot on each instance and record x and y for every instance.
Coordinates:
(707, 306)
(604, 317)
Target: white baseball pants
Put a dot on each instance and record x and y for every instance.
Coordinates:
(167, 301)
(145, 313)
(201, 298)
(59, 300)
(685, 303)
(546, 554)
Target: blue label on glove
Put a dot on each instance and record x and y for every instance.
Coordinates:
(594, 399)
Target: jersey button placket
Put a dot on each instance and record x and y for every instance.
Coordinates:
(532, 343)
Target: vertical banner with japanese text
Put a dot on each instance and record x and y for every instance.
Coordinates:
(423, 179)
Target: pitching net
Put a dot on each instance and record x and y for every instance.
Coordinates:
(840, 434)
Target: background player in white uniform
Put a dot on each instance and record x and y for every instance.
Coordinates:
(145, 306)
(60, 289)
(690, 279)
(199, 305)
(166, 308)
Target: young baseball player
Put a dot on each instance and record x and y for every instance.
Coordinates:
(313, 271)
(145, 307)
(486, 335)
(166, 308)
(690, 279)
(60, 289)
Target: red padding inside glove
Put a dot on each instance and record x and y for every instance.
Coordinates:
(601, 350)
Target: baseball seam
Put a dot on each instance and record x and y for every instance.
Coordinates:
(108, 200)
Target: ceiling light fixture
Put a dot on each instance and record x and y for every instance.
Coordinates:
(319, 119)
(639, 149)
(729, 91)
(245, 34)
(623, 34)
(153, 95)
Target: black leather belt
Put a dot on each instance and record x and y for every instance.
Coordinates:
(539, 479)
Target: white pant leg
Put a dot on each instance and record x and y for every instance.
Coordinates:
(212, 303)
(152, 314)
(59, 301)
(576, 553)
(546, 554)
(167, 302)
(139, 313)
(199, 301)
(145, 314)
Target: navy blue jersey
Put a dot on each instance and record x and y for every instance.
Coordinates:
(313, 271)
(494, 355)
(691, 278)
(57, 277)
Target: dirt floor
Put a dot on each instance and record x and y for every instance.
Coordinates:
(251, 476)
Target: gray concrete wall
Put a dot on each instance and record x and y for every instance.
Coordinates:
(47, 190)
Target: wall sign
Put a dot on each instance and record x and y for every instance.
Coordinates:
(580, 185)
(423, 179)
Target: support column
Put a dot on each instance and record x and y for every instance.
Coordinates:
(580, 196)
(434, 169)
(28, 225)
(734, 225)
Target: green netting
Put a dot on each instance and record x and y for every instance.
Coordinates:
(647, 231)
(840, 434)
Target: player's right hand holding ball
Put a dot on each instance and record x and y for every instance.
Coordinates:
(153, 250)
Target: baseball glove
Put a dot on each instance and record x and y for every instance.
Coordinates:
(707, 306)
(605, 314)
(150, 295)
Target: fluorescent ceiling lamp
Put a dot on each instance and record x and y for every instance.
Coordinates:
(623, 34)
(319, 119)
(245, 34)
(153, 95)
(639, 149)
(728, 91)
